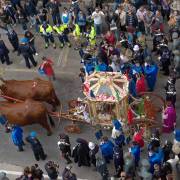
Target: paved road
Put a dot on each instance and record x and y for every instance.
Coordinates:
(67, 85)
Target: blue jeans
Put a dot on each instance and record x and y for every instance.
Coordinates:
(98, 28)
(56, 18)
(63, 38)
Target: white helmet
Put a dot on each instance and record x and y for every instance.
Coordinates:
(91, 145)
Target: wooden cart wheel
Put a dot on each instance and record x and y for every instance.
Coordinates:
(73, 128)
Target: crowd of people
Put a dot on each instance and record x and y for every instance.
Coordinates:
(134, 38)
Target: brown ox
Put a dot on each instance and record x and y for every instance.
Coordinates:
(26, 113)
(36, 89)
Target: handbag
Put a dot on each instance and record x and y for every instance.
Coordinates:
(113, 27)
(41, 71)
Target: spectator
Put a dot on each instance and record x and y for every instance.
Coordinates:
(65, 18)
(4, 51)
(97, 16)
(26, 174)
(9, 11)
(54, 5)
(32, 12)
(36, 146)
(110, 38)
(16, 3)
(52, 170)
(67, 174)
(81, 21)
(13, 39)
(122, 18)
(3, 176)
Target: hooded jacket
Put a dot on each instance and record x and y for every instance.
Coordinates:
(17, 136)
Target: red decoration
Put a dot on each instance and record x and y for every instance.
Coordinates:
(138, 137)
(130, 116)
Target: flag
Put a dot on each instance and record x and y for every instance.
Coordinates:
(117, 95)
(141, 107)
(130, 116)
(92, 94)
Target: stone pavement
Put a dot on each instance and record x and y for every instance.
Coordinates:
(68, 86)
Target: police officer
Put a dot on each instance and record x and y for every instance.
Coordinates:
(77, 34)
(27, 52)
(62, 31)
(30, 36)
(46, 31)
(92, 36)
(36, 146)
(4, 53)
(13, 39)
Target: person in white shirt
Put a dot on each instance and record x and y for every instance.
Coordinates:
(97, 16)
(140, 16)
(122, 17)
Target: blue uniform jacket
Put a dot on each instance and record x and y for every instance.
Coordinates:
(132, 88)
(17, 136)
(151, 75)
(135, 150)
(107, 148)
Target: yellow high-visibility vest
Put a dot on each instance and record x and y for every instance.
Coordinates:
(47, 30)
(77, 31)
(61, 28)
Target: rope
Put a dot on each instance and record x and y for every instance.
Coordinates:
(10, 98)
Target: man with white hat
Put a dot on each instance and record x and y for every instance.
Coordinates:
(94, 148)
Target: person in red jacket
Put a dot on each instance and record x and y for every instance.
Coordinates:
(140, 84)
(138, 137)
(110, 38)
(47, 69)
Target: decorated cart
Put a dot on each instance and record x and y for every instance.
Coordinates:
(106, 97)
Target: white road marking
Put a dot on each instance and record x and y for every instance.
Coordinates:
(60, 57)
(64, 62)
(16, 173)
(34, 71)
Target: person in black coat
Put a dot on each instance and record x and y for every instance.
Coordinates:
(118, 160)
(4, 53)
(102, 168)
(67, 174)
(16, 3)
(13, 39)
(65, 147)
(10, 12)
(94, 148)
(36, 146)
(81, 153)
(30, 36)
(52, 170)
(27, 52)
